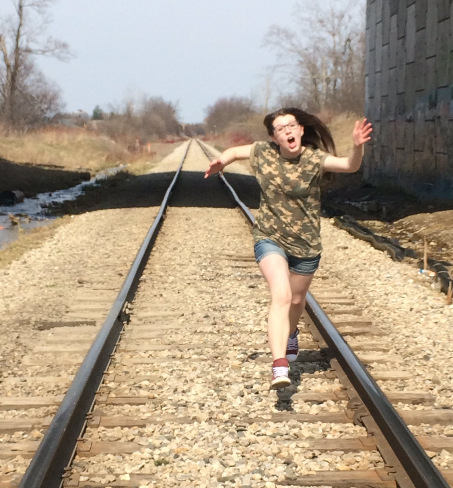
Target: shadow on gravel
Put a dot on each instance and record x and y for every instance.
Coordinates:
(306, 363)
(192, 190)
(350, 194)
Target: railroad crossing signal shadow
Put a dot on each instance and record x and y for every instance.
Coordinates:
(308, 362)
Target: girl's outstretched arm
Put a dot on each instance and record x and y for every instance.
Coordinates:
(360, 135)
(228, 157)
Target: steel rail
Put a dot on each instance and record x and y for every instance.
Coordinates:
(243, 207)
(58, 444)
(417, 464)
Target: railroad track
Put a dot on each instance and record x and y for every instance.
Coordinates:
(184, 400)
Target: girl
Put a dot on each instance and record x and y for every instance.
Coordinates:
(286, 232)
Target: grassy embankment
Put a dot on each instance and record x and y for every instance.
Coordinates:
(77, 150)
(74, 152)
(50, 160)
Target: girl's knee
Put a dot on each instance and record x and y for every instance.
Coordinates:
(281, 298)
(298, 299)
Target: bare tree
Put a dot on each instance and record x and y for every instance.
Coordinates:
(37, 100)
(194, 130)
(159, 116)
(22, 36)
(267, 89)
(142, 117)
(324, 59)
(226, 111)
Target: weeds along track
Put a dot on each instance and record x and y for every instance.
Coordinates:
(185, 400)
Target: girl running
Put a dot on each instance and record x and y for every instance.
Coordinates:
(286, 232)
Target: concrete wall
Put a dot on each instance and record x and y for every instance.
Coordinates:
(409, 92)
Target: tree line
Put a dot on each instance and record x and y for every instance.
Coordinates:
(26, 96)
(142, 117)
(320, 67)
(28, 99)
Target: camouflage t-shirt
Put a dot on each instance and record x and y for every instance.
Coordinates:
(290, 201)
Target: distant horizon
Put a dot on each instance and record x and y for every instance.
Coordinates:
(188, 57)
(188, 54)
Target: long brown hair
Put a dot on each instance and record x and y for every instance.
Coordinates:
(316, 133)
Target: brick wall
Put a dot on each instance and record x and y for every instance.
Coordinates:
(408, 95)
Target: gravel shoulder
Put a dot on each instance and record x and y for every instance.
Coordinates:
(404, 219)
(402, 302)
(37, 289)
(407, 305)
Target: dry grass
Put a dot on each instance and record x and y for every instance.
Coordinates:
(239, 134)
(29, 240)
(69, 149)
(73, 149)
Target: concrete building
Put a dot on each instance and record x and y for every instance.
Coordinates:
(409, 93)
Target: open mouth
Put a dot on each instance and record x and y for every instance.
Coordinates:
(292, 142)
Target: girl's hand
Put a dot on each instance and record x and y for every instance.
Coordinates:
(361, 132)
(214, 167)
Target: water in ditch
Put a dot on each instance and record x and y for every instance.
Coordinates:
(32, 212)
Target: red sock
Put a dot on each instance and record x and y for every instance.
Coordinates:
(280, 362)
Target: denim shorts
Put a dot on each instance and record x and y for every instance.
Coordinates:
(302, 266)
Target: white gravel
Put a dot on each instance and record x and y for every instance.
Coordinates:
(215, 294)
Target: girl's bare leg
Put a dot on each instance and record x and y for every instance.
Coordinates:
(275, 271)
(299, 287)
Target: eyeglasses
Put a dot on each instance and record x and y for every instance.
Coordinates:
(279, 129)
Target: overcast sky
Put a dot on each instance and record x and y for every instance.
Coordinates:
(189, 52)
